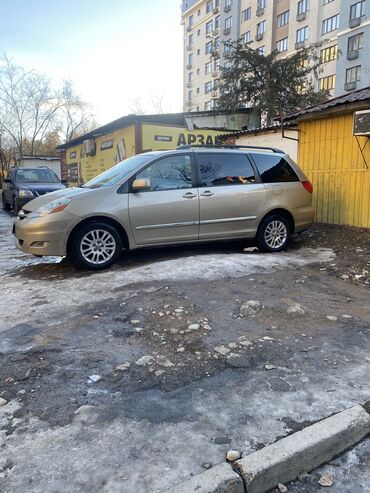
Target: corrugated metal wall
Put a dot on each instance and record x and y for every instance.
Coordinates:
(329, 155)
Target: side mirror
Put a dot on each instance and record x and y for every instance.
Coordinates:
(141, 184)
(7, 180)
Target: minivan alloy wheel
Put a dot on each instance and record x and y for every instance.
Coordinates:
(276, 234)
(98, 246)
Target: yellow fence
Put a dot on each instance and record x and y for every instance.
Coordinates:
(330, 156)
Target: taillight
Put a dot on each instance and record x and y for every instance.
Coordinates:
(308, 186)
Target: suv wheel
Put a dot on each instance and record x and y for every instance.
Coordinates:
(273, 234)
(15, 206)
(96, 246)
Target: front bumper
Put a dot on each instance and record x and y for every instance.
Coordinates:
(46, 235)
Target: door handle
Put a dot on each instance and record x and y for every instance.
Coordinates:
(207, 193)
(189, 195)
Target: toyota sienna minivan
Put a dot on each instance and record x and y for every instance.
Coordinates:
(192, 194)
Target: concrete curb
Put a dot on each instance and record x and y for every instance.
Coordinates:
(303, 451)
(284, 460)
(219, 479)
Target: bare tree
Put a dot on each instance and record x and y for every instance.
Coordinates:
(157, 102)
(33, 107)
(136, 107)
(77, 115)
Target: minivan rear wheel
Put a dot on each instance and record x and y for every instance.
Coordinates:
(95, 246)
(274, 233)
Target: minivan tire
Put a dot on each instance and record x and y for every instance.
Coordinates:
(274, 233)
(95, 246)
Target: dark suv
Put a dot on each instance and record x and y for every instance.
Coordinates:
(25, 184)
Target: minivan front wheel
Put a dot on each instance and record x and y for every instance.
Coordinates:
(96, 246)
(273, 234)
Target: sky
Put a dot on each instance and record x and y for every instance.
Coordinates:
(114, 51)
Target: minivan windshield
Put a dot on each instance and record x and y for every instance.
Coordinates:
(118, 172)
(39, 175)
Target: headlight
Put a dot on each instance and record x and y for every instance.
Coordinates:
(25, 193)
(54, 206)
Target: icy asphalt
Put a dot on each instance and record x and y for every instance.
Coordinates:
(171, 400)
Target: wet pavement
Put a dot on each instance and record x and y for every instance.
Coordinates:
(136, 378)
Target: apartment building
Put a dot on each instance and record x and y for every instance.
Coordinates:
(283, 25)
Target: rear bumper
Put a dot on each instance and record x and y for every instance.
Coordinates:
(44, 235)
(303, 218)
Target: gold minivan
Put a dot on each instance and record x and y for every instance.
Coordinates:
(192, 194)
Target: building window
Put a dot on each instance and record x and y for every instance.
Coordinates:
(302, 6)
(302, 35)
(190, 77)
(353, 74)
(229, 23)
(208, 87)
(325, 2)
(191, 20)
(357, 10)
(329, 54)
(190, 40)
(261, 50)
(217, 22)
(208, 68)
(261, 4)
(209, 6)
(190, 59)
(227, 46)
(327, 83)
(228, 3)
(261, 27)
(198, 32)
(198, 71)
(282, 45)
(356, 42)
(282, 19)
(198, 90)
(209, 27)
(208, 47)
(330, 24)
(190, 95)
(246, 14)
(208, 106)
(246, 38)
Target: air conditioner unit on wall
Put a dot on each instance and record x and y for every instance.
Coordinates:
(89, 147)
(361, 123)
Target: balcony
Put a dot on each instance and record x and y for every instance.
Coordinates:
(215, 73)
(354, 22)
(215, 54)
(301, 17)
(189, 47)
(350, 86)
(227, 8)
(227, 31)
(260, 12)
(216, 11)
(189, 28)
(259, 36)
(214, 94)
(352, 55)
(189, 66)
(189, 85)
(299, 45)
(215, 32)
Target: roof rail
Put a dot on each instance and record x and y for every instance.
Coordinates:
(221, 146)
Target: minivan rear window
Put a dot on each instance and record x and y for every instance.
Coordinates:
(274, 169)
(220, 169)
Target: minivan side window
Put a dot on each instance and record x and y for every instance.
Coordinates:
(219, 169)
(274, 169)
(169, 173)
